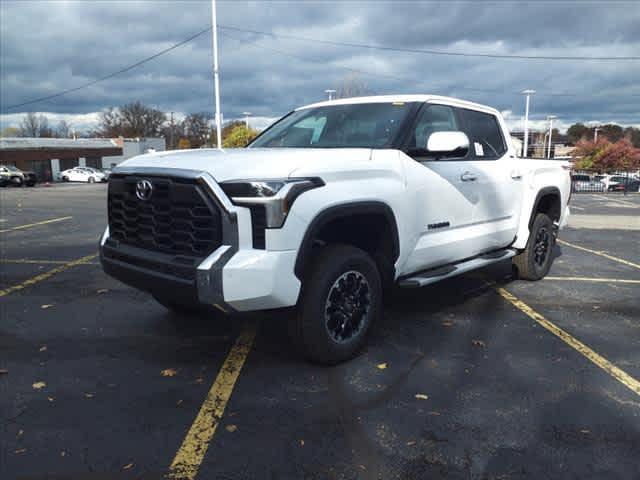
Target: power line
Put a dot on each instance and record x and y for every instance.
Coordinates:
(430, 52)
(111, 75)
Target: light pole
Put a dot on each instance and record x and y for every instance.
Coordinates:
(330, 92)
(528, 93)
(550, 120)
(595, 134)
(216, 77)
(246, 119)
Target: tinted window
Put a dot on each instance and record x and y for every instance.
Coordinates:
(434, 118)
(368, 125)
(485, 136)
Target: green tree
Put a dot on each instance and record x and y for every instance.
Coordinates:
(239, 137)
(577, 132)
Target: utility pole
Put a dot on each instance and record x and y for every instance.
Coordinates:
(246, 119)
(330, 92)
(171, 146)
(595, 134)
(528, 93)
(550, 120)
(216, 77)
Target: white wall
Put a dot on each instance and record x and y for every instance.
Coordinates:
(132, 148)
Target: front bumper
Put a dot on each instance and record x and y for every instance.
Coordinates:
(234, 277)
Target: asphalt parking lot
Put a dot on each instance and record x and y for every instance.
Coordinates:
(479, 377)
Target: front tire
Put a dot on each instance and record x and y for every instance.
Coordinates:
(535, 260)
(341, 298)
(91, 180)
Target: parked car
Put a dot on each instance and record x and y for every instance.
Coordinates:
(584, 183)
(330, 205)
(10, 175)
(616, 183)
(83, 174)
(630, 186)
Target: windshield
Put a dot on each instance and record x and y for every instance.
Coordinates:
(11, 168)
(363, 125)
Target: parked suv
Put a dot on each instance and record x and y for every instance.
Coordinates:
(329, 206)
(12, 175)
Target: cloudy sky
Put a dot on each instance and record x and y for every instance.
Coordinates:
(49, 46)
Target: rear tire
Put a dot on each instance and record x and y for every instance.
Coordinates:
(91, 180)
(535, 260)
(340, 299)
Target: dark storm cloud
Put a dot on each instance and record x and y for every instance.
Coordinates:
(50, 46)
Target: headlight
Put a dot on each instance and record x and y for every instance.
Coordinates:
(276, 195)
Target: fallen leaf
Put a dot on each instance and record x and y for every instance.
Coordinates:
(20, 433)
(422, 396)
(231, 428)
(302, 443)
(478, 343)
(63, 453)
(3, 371)
(103, 290)
(127, 466)
(88, 395)
(43, 348)
(178, 402)
(447, 323)
(199, 380)
(411, 443)
(434, 413)
(51, 399)
(20, 450)
(168, 372)
(362, 467)
(46, 305)
(39, 385)
(585, 431)
(382, 366)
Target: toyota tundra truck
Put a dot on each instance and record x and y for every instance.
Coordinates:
(334, 204)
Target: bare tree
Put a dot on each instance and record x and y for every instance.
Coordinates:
(29, 126)
(352, 86)
(131, 120)
(63, 129)
(196, 127)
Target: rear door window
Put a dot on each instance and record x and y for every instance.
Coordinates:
(485, 135)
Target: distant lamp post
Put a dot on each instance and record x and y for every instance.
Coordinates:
(330, 92)
(246, 119)
(595, 134)
(528, 93)
(550, 120)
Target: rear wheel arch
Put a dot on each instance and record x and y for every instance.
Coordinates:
(369, 225)
(548, 201)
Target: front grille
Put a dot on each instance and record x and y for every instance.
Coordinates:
(179, 217)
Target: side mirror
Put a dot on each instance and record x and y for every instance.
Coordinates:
(448, 143)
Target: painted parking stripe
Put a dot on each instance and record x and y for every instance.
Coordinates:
(593, 279)
(189, 457)
(31, 261)
(617, 373)
(602, 254)
(46, 275)
(29, 225)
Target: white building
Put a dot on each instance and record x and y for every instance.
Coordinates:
(132, 147)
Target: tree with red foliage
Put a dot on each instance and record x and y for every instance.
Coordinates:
(621, 155)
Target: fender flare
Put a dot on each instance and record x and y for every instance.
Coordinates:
(340, 211)
(543, 193)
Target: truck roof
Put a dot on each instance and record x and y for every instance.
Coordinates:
(404, 98)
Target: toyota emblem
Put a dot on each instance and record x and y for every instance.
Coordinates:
(144, 189)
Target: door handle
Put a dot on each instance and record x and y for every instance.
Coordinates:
(516, 175)
(468, 177)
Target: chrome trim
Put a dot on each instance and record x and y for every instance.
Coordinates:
(209, 272)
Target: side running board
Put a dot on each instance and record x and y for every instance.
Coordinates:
(440, 273)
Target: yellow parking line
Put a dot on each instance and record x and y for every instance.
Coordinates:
(29, 225)
(620, 375)
(187, 461)
(46, 275)
(593, 279)
(602, 254)
(40, 262)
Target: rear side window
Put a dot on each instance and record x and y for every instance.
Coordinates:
(485, 136)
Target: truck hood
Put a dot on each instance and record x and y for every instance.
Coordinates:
(254, 163)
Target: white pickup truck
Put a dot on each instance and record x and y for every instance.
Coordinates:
(329, 206)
